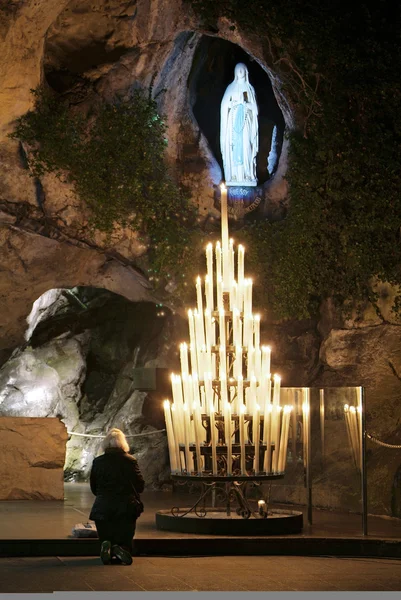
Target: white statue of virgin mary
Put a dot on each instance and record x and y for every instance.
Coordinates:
(239, 141)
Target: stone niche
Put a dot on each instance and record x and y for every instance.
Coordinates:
(32, 455)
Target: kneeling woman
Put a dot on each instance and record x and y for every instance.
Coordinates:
(116, 481)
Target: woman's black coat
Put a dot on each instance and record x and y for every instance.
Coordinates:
(115, 479)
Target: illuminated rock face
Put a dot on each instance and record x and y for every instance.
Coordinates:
(32, 455)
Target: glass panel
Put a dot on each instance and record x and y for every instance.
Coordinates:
(328, 463)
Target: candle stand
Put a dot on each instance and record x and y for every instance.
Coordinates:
(226, 427)
(230, 492)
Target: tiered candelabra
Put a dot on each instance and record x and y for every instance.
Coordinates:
(226, 422)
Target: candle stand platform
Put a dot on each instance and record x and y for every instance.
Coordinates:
(225, 506)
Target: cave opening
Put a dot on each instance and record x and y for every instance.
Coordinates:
(212, 71)
(95, 360)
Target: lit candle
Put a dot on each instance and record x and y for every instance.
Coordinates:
(199, 300)
(219, 293)
(252, 395)
(266, 353)
(219, 273)
(184, 358)
(188, 455)
(250, 365)
(223, 365)
(224, 222)
(213, 438)
(256, 330)
(177, 431)
(256, 436)
(284, 429)
(209, 276)
(238, 362)
(208, 328)
(236, 328)
(198, 439)
(172, 445)
(240, 393)
(192, 341)
(233, 295)
(276, 390)
(209, 293)
(222, 327)
(242, 438)
(267, 437)
(276, 439)
(241, 254)
(227, 434)
(231, 260)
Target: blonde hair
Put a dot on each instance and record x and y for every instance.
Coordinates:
(115, 439)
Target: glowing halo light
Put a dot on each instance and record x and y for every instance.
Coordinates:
(226, 417)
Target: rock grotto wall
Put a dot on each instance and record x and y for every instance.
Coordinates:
(79, 366)
(90, 51)
(32, 454)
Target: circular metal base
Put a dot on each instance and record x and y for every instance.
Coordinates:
(216, 522)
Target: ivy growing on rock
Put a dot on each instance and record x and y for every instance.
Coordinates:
(115, 159)
(339, 63)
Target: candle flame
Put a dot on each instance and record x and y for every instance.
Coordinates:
(198, 280)
(242, 409)
(352, 409)
(346, 407)
(276, 377)
(166, 404)
(223, 187)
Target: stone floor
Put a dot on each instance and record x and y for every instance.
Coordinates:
(54, 520)
(241, 573)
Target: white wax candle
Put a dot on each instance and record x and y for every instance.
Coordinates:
(276, 423)
(224, 217)
(208, 328)
(219, 273)
(223, 363)
(266, 354)
(285, 419)
(172, 446)
(256, 331)
(184, 358)
(236, 330)
(198, 436)
(209, 294)
(209, 265)
(238, 362)
(240, 394)
(256, 437)
(250, 366)
(241, 254)
(208, 392)
(276, 390)
(231, 260)
(188, 455)
(194, 360)
(252, 395)
(257, 363)
(242, 439)
(233, 295)
(213, 439)
(177, 430)
(219, 294)
(267, 438)
(227, 427)
(178, 401)
(199, 300)
(222, 327)
(200, 339)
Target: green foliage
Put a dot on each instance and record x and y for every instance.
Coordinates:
(339, 63)
(115, 159)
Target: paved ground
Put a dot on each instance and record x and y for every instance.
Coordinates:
(243, 573)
